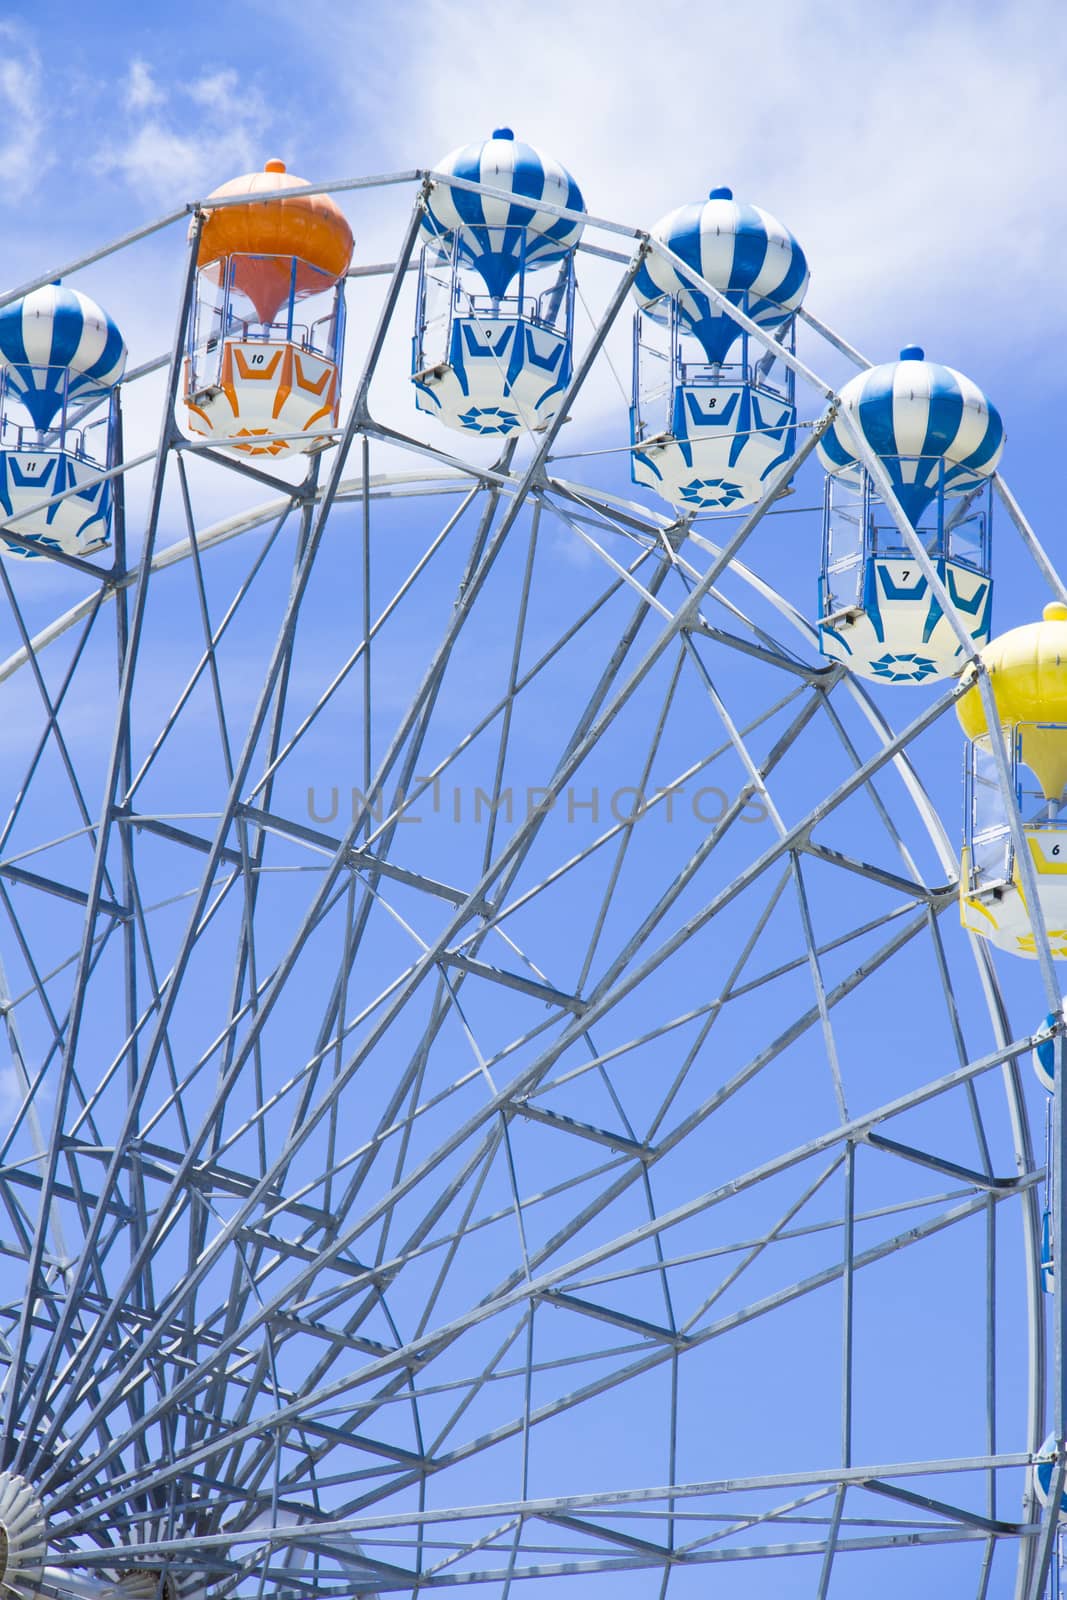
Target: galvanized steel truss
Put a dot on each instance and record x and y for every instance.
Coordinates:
(231, 1346)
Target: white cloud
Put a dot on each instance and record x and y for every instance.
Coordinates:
(179, 145)
(142, 91)
(157, 161)
(915, 150)
(216, 88)
(23, 156)
(10, 1092)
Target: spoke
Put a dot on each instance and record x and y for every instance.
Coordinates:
(386, 1186)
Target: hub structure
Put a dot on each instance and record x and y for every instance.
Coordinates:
(497, 1085)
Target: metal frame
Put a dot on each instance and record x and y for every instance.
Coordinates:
(265, 1378)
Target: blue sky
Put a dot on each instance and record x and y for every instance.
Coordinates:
(915, 151)
(912, 149)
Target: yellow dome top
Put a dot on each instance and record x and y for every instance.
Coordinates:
(1028, 674)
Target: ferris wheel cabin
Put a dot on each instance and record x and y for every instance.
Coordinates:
(265, 339)
(494, 321)
(993, 896)
(706, 435)
(937, 439)
(877, 612)
(1044, 1062)
(713, 410)
(61, 357)
(1030, 686)
(491, 364)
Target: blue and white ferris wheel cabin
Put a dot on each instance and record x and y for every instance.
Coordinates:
(706, 435)
(937, 439)
(713, 411)
(61, 358)
(494, 324)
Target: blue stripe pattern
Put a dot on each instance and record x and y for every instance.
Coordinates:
(58, 337)
(1044, 1058)
(496, 236)
(915, 415)
(1043, 1474)
(742, 251)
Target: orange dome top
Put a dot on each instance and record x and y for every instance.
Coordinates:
(311, 227)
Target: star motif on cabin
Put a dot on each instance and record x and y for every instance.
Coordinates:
(489, 419)
(709, 492)
(272, 447)
(35, 546)
(906, 668)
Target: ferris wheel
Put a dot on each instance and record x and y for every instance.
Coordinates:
(509, 1078)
